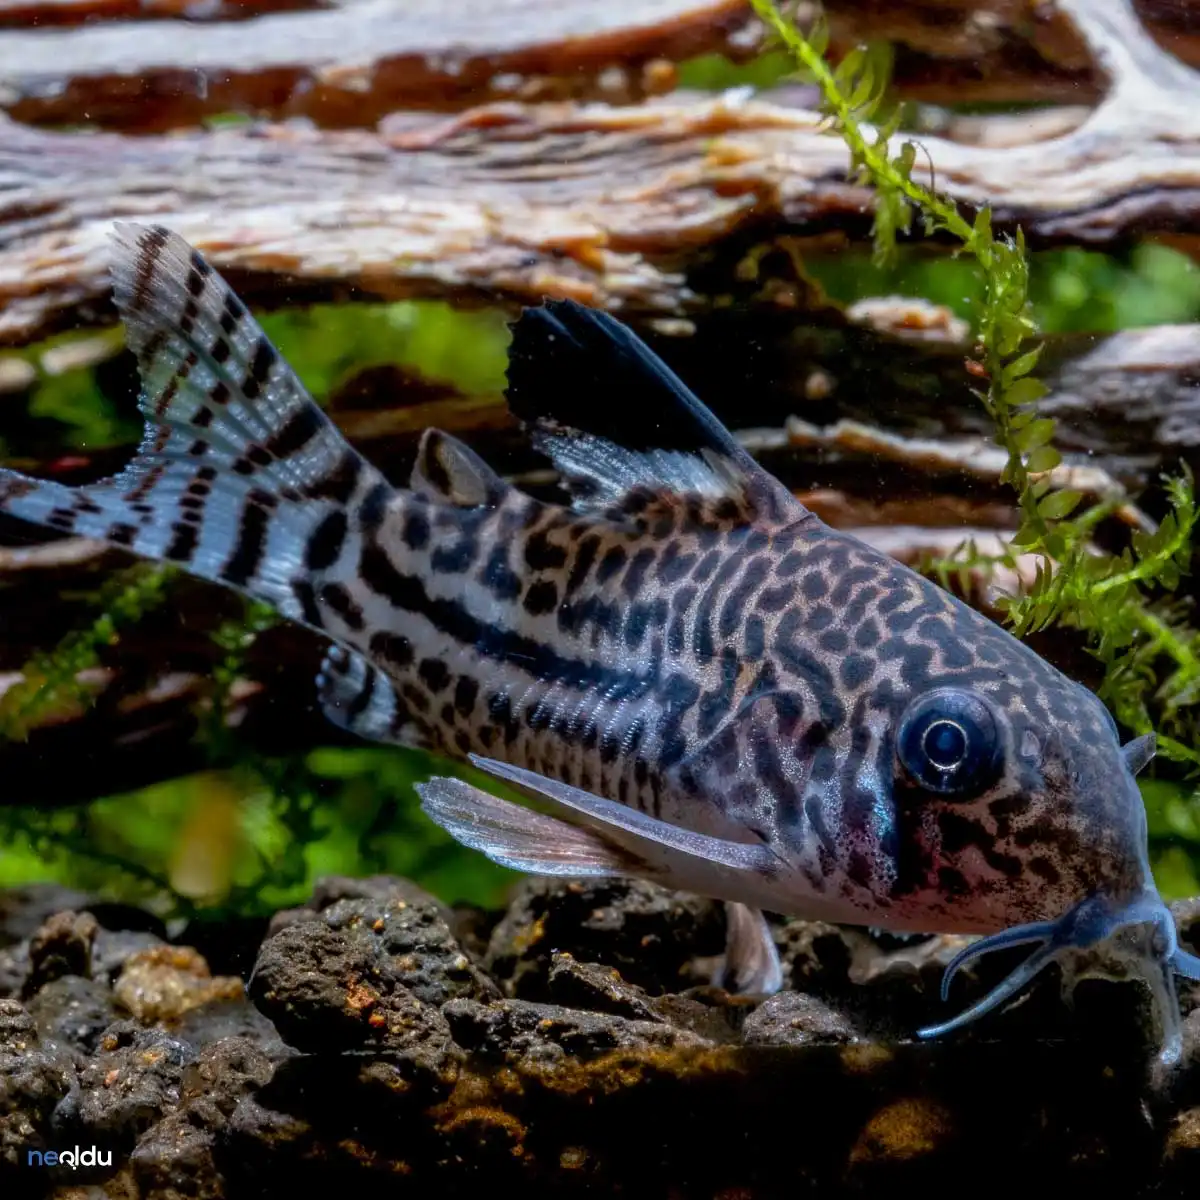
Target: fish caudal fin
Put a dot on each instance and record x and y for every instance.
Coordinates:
(240, 478)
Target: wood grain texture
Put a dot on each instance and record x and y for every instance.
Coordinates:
(613, 206)
(351, 63)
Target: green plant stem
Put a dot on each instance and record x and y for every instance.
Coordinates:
(849, 129)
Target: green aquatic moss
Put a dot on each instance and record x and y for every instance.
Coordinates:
(51, 679)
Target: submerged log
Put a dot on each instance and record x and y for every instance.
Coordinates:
(350, 63)
(999, 51)
(645, 210)
(651, 211)
(39, 14)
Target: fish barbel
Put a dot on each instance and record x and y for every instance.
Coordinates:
(709, 687)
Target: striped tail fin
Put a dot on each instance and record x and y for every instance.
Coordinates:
(240, 478)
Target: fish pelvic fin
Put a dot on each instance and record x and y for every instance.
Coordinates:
(240, 478)
(751, 963)
(359, 698)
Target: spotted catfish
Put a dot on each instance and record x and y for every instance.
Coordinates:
(704, 684)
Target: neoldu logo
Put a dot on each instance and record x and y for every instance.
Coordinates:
(91, 1157)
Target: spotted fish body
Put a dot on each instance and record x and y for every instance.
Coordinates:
(712, 688)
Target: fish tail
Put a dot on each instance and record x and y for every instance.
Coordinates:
(240, 478)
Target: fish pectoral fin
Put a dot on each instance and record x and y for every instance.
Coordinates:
(752, 963)
(669, 848)
(518, 837)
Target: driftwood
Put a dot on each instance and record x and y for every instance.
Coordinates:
(814, 400)
(617, 206)
(38, 14)
(1003, 51)
(350, 62)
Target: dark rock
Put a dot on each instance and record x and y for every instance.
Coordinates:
(537, 1036)
(385, 888)
(817, 957)
(377, 1055)
(18, 1030)
(74, 1010)
(176, 1159)
(133, 1080)
(14, 970)
(219, 1020)
(268, 1150)
(794, 1019)
(649, 934)
(594, 988)
(711, 1013)
(414, 941)
(358, 968)
(335, 984)
(180, 1156)
(473, 927)
(62, 945)
(1181, 1158)
(34, 1080)
(1187, 921)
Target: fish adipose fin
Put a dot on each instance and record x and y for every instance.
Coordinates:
(240, 478)
(620, 425)
(448, 471)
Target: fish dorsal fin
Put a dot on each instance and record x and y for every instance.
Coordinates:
(448, 471)
(616, 421)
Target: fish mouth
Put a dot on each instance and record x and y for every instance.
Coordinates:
(1156, 960)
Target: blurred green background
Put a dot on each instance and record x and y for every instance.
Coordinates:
(253, 835)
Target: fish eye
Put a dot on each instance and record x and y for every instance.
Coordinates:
(949, 742)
